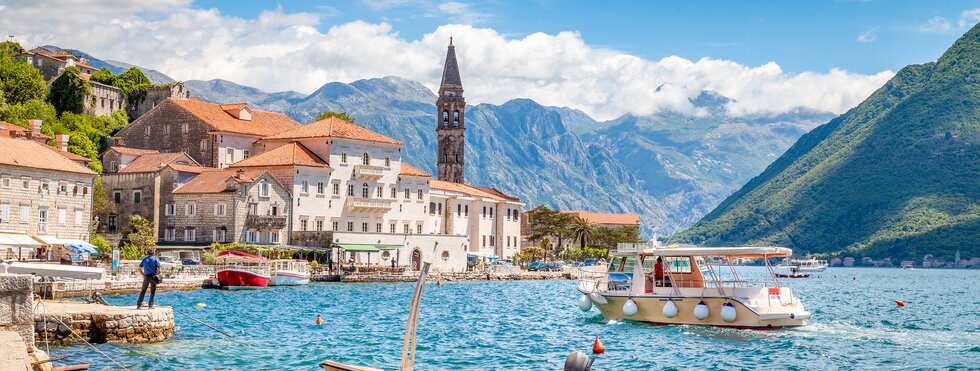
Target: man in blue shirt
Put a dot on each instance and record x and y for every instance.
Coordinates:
(150, 268)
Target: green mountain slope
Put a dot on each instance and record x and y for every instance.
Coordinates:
(897, 176)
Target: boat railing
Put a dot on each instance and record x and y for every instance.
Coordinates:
(256, 269)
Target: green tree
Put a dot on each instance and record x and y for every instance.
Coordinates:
(32, 109)
(20, 82)
(582, 230)
(139, 238)
(101, 245)
(341, 115)
(68, 91)
(104, 76)
(10, 49)
(544, 222)
(133, 85)
(102, 204)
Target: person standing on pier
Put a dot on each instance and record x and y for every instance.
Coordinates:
(150, 268)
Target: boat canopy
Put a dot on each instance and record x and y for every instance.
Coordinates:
(733, 252)
(234, 256)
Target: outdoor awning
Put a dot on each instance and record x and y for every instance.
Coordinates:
(50, 240)
(350, 247)
(19, 240)
(302, 248)
(388, 247)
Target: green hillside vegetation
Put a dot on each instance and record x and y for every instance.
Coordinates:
(26, 96)
(897, 176)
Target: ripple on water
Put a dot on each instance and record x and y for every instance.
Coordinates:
(532, 325)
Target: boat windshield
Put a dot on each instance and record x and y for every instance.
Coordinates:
(623, 264)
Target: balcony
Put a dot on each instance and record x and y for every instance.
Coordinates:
(368, 205)
(368, 172)
(270, 221)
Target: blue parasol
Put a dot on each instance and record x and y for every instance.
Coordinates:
(82, 247)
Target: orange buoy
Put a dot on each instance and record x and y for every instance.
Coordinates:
(319, 320)
(597, 347)
(900, 303)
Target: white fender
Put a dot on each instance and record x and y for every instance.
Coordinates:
(670, 309)
(701, 311)
(629, 309)
(728, 312)
(584, 303)
(598, 299)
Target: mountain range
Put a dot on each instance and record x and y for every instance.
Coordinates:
(897, 176)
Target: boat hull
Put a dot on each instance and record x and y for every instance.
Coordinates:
(812, 269)
(792, 275)
(289, 278)
(234, 279)
(650, 310)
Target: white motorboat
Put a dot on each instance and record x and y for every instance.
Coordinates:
(288, 272)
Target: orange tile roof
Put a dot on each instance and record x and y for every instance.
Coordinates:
(131, 151)
(263, 123)
(498, 193)
(286, 155)
(191, 168)
(27, 153)
(7, 129)
(412, 171)
(85, 65)
(336, 128)
(468, 190)
(151, 162)
(216, 181)
(69, 155)
(605, 218)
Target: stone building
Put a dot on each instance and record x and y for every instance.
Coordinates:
(102, 99)
(43, 193)
(229, 206)
(143, 185)
(52, 64)
(157, 94)
(214, 135)
(451, 128)
(9, 130)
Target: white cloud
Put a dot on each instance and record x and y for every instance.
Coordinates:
(868, 36)
(969, 18)
(286, 51)
(936, 24)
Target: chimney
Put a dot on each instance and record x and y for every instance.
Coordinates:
(240, 174)
(35, 128)
(62, 140)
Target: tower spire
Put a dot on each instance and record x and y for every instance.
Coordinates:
(450, 124)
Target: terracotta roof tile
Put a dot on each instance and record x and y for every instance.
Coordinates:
(152, 161)
(191, 168)
(27, 153)
(7, 129)
(132, 151)
(468, 190)
(286, 155)
(605, 218)
(263, 123)
(69, 155)
(216, 181)
(498, 193)
(336, 128)
(412, 171)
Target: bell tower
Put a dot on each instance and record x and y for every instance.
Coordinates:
(451, 128)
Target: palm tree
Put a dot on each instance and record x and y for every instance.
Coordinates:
(582, 230)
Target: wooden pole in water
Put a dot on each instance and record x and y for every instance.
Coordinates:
(408, 346)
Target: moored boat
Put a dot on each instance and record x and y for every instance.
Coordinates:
(288, 272)
(239, 270)
(685, 295)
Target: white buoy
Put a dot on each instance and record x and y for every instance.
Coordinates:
(728, 312)
(701, 311)
(670, 310)
(598, 299)
(584, 303)
(629, 309)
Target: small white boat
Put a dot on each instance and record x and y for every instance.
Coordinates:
(288, 272)
(811, 265)
(686, 296)
(57, 270)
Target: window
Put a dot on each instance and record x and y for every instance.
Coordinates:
(84, 190)
(491, 212)
(190, 234)
(306, 186)
(380, 192)
(5, 182)
(334, 226)
(440, 208)
(336, 189)
(219, 209)
(25, 213)
(408, 194)
(218, 235)
(245, 154)
(364, 191)
(145, 130)
(418, 228)
(302, 224)
(166, 130)
(466, 210)
(250, 236)
(343, 157)
(320, 188)
(491, 241)
(111, 223)
(364, 227)
(25, 183)
(350, 189)
(274, 210)
(263, 188)
(190, 210)
(420, 194)
(62, 216)
(459, 210)
(394, 192)
(274, 237)
(484, 242)
(432, 208)
(350, 226)
(484, 213)
(137, 197)
(4, 213)
(405, 228)
(387, 161)
(392, 228)
(377, 228)
(170, 209)
(204, 145)
(184, 128)
(365, 159)
(42, 220)
(319, 224)
(63, 188)
(677, 264)
(169, 234)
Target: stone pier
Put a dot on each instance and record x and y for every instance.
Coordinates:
(96, 323)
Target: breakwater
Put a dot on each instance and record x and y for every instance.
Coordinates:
(55, 323)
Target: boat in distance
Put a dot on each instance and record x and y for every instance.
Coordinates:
(238, 270)
(289, 272)
(629, 290)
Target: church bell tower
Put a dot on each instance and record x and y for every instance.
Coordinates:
(450, 130)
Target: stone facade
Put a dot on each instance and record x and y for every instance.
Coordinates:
(46, 202)
(168, 128)
(103, 99)
(154, 190)
(52, 64)
(156, 95)
(450, 128)
(96, 323)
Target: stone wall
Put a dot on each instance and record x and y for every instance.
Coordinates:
(96, 323)
(16, 307)
(126, 184)
(84, 289)
(156, 95)
(102, 100)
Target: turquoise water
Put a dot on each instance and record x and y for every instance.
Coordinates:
(535, 324)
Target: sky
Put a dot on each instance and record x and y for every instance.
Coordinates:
(604, 58)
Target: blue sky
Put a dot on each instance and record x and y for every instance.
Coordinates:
(799, 35)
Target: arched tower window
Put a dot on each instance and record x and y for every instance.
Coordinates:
(455, 119)
(445, 119)
(365, 159)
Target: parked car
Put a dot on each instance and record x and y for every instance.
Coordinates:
(537, 266)
(190, 261)
(168, 261)
(590, 262)
(554, 266)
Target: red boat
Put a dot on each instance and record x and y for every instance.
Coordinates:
(238, 270)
